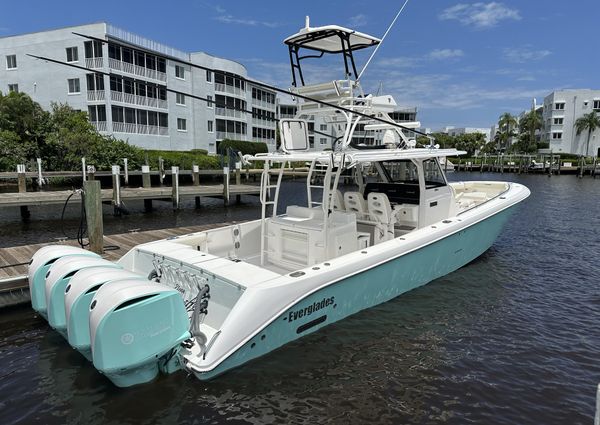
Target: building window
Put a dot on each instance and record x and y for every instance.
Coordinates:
(74, 86)
(180, 72)
(558, 121)
(596, 104)
(559, 106)
(181, 124)
(13, 87)
(323, 127)
(323, 141)
(557, 135)
(208, 76)
(72, 54)
(11, 62)
(210, 126)
(180, 99)
(209, 104)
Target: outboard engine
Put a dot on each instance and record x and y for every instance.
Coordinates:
(38, 268)
(59, 276)
(135, 326)
(78, 297)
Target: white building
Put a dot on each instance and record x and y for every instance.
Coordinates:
(132, 98)
(561, 109)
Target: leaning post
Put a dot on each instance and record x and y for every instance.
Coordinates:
(92, 198)
(175, 186)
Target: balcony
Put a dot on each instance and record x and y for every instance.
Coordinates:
(263, 103)
(132, 128)
(263, 122)
(233, 136)
(94, 62)
(133, 69)
(224, 88)
(100, 126)
(134, 99)
(96, 96)
(226, 112)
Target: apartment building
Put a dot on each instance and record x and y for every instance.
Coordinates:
(140, 96)
(561, 110)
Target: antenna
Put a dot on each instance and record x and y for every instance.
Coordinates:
(382, 38)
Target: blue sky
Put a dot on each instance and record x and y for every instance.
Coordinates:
(461, 63)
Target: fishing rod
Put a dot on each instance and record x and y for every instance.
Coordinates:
(284, 91)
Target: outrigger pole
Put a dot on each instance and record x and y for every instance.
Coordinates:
(277, 89)
(381, 42)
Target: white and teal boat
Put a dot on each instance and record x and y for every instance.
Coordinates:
(211, 301)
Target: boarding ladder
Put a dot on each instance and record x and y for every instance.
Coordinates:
(269, 195)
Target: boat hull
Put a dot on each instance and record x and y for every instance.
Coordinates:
(369, 288)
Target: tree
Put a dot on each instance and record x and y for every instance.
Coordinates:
(589, 122)
(528, 124)
(506, 123)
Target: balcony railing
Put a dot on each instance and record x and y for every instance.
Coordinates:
(226, 112)
(263, 103)
(224, 88)
(263, 122)
(96, 95)
(234, 136)
(94, 62)
(286, 116)
(125, 127)
(134, 99)
(133, 69)
(100, 125)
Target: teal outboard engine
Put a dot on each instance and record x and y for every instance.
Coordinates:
(78, 297)
(39, 265)
(135, 328)
(58, 278)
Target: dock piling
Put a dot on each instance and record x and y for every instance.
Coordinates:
(146, 183)
(40, 179)
(175, 185)
(195, 175)
(83, 169)
(116, 183)
(126, 170)
(161, 170)
(92, 198)
(22, 182)
(226, 185)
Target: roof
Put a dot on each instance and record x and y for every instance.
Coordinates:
(354, 156)
(327, 39)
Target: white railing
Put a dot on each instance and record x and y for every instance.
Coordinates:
(224, 88)
(226, 112)
(99, 125)
(125, 127)
(286, 116)
(133, 69)
(163, 104)
(233, 136)
(152, 102)
(129, 98)
(95, 95)
(263, 122)
(94, 62)
(141, 100)
(117, 96)
(263, 103)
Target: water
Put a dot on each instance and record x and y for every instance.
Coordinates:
(512, 338)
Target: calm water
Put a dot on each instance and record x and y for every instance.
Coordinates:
(512, 338)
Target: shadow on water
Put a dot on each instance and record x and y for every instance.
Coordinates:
(511, 338)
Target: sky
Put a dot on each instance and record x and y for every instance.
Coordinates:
(461, 63)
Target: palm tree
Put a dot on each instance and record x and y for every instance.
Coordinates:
(508, 123)
(589, 122)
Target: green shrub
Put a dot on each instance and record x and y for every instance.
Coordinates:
(246, 148)
(183, 160)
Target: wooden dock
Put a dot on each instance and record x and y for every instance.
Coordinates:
(14, 287)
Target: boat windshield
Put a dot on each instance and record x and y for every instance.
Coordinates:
(401, 171)
(434, 177)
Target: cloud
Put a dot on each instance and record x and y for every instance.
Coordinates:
(524, 54)
(480, 15)
(359, 20)
(230, 19)
(444, 54)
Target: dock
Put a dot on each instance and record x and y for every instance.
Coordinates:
(14, 286)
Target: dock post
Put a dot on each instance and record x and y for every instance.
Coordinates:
(126, 171)
(39, 170)
(146, 183)
(597, 414)
(550, 164)
(83, 169)
(580, 166)
(22, 182)
(226, 185)
(175, 185)
(91, 172)
(195, 175)
(116, 184)
(92, 198)
(161, 170)
(238, 180)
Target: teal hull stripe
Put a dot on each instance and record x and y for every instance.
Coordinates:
(370, 288)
